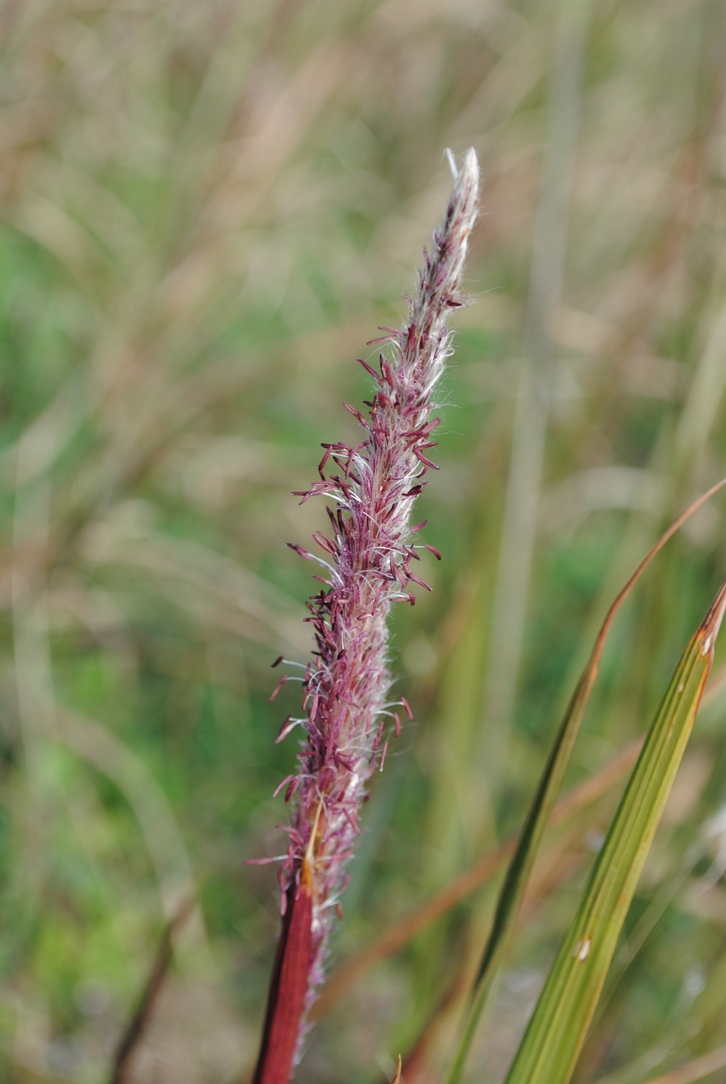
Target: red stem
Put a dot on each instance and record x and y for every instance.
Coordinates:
(286, 1000)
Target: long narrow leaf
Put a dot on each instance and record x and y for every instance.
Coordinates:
(402, 931)
(558, 1027)
(515, 882)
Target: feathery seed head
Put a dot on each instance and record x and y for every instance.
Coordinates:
(367, 559)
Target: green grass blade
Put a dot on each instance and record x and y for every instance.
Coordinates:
(558, 1027)
(520, 868)
(550, 784)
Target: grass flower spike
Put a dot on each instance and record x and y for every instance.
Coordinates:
(367, 565)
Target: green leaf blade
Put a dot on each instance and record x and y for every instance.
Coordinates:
(549, 786)
(552, 1043)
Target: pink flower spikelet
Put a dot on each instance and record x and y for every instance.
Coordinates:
(367, 567)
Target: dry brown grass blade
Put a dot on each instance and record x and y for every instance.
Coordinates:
(137, 1025)
(695, 1070)
(8, 14)
(688, 1073)
(417, 1065)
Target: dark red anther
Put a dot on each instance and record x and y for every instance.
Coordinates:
(323, 461)
(285, 729)
(285, 782)
(325, 543)
(424, 459)
(356, 414)
(369, 369)
(386, 370)
(331, 517)
(343, 487)
(276, 690)
(314, 707)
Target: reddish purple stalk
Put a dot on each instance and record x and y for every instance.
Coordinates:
(366, 568)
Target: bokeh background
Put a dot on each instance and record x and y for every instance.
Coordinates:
(207, 210)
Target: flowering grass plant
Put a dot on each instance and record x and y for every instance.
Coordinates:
(367, 567)
(203, 209)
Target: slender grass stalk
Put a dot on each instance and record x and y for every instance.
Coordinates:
(366, 568)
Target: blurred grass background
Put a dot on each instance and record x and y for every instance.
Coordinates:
(207, 209)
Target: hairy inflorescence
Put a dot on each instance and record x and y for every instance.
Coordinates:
(367, 565)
